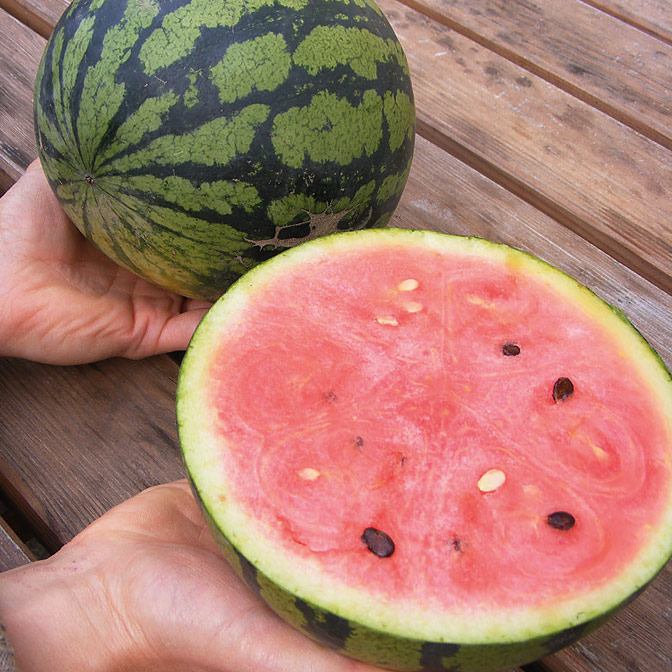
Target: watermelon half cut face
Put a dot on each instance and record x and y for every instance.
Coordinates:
(428, 451)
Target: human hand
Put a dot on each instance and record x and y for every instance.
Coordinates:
(146, 588)
(64, 302)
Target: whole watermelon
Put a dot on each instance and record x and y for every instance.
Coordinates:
(190, 140)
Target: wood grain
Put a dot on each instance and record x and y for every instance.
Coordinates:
(576, 164)
(78, 440)
(652, 16)
(637, 639)
(40, 17)
(17, 75)
(624, 73)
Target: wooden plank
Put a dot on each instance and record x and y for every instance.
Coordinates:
(653, 16)
(78, 440)
(445, 195)
(624, 73)
(639, 638)
(17, 75)
(590, 172)
(13, 552)
(38, 16)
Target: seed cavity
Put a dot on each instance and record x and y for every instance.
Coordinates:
(491, 480)
(387, 320)
(308, 474)
(413, 307)
(408, 285)
(331, 397)
(359, 442)
(378, 542)
(510, 349)
(561, 520)
(562, 389)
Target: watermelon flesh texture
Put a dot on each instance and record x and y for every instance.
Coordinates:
(372, 383)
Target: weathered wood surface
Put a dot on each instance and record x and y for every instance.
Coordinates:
(625, 73)
(78, 440)
(542, 125)
(40, 17)
(595, 175)
(651, 16)
(17, 74)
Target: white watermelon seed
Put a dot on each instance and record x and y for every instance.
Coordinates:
(491, 480)
(413, 307)
(309, 474)
(408, 285)
(387, 320)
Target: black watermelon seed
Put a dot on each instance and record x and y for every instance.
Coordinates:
(89, 179)
(510, 349)
(378, 542)
(359, 442)
(456, 544)
(562, 389)
(561, 520)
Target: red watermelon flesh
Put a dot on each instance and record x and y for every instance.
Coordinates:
(413, 388)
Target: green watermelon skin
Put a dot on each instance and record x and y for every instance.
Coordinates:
(392, 651)
(190, 140)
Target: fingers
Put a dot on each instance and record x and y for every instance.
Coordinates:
(177, 332)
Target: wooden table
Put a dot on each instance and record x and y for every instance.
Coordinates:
(544, 125)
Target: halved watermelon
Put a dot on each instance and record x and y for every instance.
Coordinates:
(427, 451)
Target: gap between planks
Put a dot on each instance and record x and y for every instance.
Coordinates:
(544, 204)
(636, 19)
(629, 118)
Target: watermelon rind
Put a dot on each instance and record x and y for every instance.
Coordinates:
(385, 631)
(191, 139)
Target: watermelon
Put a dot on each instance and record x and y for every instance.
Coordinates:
(189, 140)
(429, 452)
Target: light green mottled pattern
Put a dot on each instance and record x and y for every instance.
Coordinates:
(284, 210)
(393, 185)
(215, 142)
(330, 46)
(147, 118)
(101, 96)
(180, 29)
(64, 78)
(191, 95)
(382, 649)
(281, 602)
(153, 235)
(400, 117)
(329, 129)
(260, 64)
(253, 5)
(220, 195)
(62, 82)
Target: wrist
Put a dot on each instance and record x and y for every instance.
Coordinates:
(51, 613)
